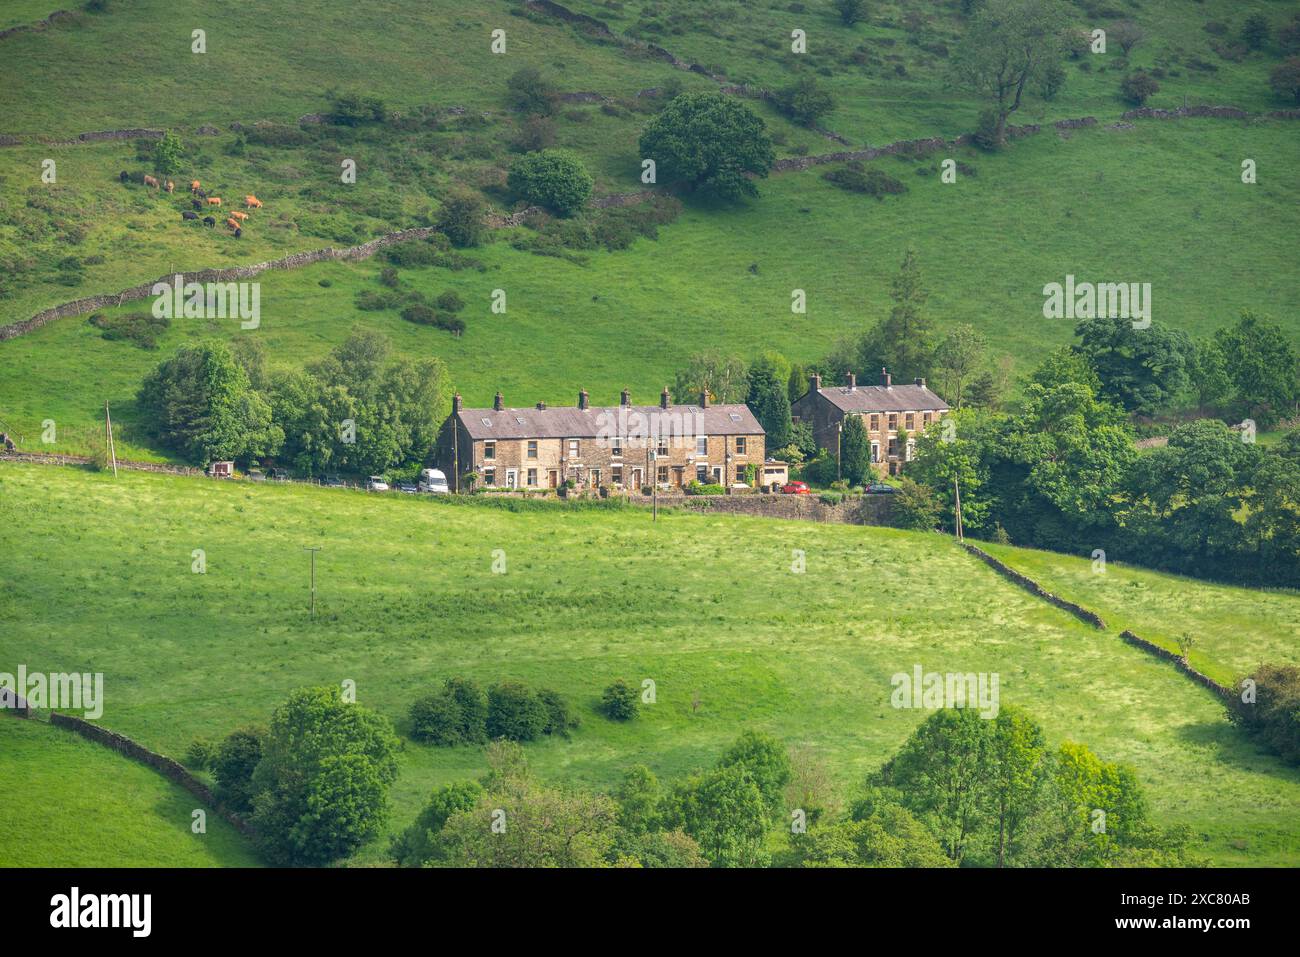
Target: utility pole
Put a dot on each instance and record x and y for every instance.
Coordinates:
(654, 488)
(108, 439)
(956, 491)
(309, 548)
(839, 437)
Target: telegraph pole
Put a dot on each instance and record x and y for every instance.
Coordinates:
(108, 439)
(956, 492)
(309, 548)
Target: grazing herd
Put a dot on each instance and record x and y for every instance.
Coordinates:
(200, 200)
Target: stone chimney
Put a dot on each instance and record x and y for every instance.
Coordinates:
(704, 398)
(455, 403)
(582, 399)
(885, 378)
(498, 403)
(541, 405)
(625, 398)
(921, 382)
(664, 398)
(853, 382)
(814, 383)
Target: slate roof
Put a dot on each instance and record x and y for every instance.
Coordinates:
(570, 422)
(880, 398)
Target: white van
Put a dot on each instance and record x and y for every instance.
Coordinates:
(432, 480)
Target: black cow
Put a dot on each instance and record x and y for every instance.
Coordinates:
(238, 232)
(189, 215)
(124, 176)
(196, 204)
(209, 221)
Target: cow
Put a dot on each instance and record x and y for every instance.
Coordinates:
(209, 221)
(201, 193)
(214, 200)
(232, 222)
(238, 232)
(170, 186)
(239, 216)
(150, 181)
(124, 176)
(252, 202)
(194, 185)
(189, 215)
(196, 204)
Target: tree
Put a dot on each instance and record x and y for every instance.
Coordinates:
(963, 458)
(1127, 34)
(200, 403)
(1008, 44)
(904, 342)
(168, 154)
(355, 109)
(418, 845)
(850, 11)
(707, 143)
(1020, 771)
(1138, 87)
(515, 712)
(724, 811)
(233, 765)
(529, 92)
(461, 218)
(1272, 716)
(1208, 372)
(1144, 370)
(768, 400)
(879, 833)
(956, 360)
(855, 451)
(457, 714)
(1255, 31)
(765, 758)
(555, 179)
(722, 376)
(914, 506)
(638, 800)
(619, 701)
(321, 785)
(1262, 365)
(805, 101)
(1285, 79)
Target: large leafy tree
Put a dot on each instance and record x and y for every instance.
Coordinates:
(768, 400)
(555, 179)
(1144, 370)
(1262, 365)
(200, 403)
(710, 144)
(855, 451)
(1009, 49)
(722, 376)
(957, 359)
(902, 342)
(725, 812)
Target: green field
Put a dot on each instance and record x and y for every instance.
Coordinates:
(78, 804)
(1233, 629)
(705, 606)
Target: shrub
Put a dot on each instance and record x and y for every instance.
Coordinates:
(530, 92)
(1137, 87)
(620, 701)
(914, 506)
(555, 179)
(455, 715)
(449, 302)
(535, 133)
(412, 253)
(1285, 78)
(986, 130)
(559, 719)
(1255, 31)
(353, 109)
(804, 102)
(421, 315)
(857, 179)
(515, 712)
(141, 328)
(1273, 718)
(461, 219)
(373, 300)
(233, 764)
(388, 277)
(199, 754)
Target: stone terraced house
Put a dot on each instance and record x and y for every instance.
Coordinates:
(620, 447)
(884, 409)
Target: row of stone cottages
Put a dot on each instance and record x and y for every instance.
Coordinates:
(627, 446)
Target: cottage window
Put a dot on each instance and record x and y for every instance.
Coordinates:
(573, 448)
(532, 449)
(925, 418)
(875, 452)
(616, 446)
(489, 450)
(875, 423)
(701, 445)
(617, 474)
(532, 476)
(662, 473)
(740, 445)
(702, 473)
(662, 447)
(489, 476)
(910, 419)
(893, 422)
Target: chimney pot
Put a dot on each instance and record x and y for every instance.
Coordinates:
(664, 398)
(885, 378)
(920, 380)
(582, 399)
(853, 382)
(625, 398)
(455, 403)
(704, 398)
(498, 403)
(815, 383)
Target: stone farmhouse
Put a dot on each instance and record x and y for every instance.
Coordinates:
(619, 447)
(884, 409)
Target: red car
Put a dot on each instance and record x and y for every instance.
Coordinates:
(796, 488)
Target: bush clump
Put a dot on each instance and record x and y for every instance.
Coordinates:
(141, 328)
(855, 178)
(454, 715)
(620, 702)
(555, 179)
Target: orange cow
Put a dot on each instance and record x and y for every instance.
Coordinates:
(232, 222)
(239, 216)
(170, 186)
(214, 200)
(252, 202)
(150, 181)
(194, 185)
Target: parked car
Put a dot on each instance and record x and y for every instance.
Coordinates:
(796, 488)
(433, 481)
(332, 481)
(256, 475)
(278, 475)
(376, 483)
(880, 488)
(410, 488)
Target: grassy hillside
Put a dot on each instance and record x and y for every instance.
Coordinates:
(77, 804)
(707, 607)
(1234, 629)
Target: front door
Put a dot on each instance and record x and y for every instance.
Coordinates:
(553, 478)
(512, 478)
(677, 475)
(636, 479)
